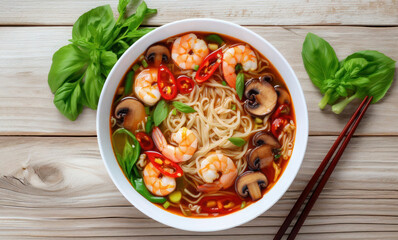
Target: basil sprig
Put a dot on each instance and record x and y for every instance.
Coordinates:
(364, 73)
(183, 107)
(79, 70)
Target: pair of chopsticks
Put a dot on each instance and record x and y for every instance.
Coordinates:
(350, 127)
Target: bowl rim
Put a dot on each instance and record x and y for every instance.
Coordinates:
(200, 224)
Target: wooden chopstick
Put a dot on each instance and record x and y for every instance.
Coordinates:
(357, 116)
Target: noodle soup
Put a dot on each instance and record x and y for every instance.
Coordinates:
(202, 124)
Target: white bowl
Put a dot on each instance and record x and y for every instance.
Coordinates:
(215, 223)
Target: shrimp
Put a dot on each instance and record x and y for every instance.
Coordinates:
(146, 87)
(210, 169)
(185, 139)
(189, 51)
(156, 182)
(239, 54)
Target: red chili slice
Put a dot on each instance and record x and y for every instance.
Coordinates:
(283, 109)
(166, 83)
(220, 204)
(164, 165)
(145, 140)
(279, 124)
(209, 66)
(185, 84)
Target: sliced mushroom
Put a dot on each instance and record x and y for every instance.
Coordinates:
(283, 95)
(130, 112)
(251, 183)
(260, 157)
(267, 78)
(262, 138)
(158, 54)
(261, 97)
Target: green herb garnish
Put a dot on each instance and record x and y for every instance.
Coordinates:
(214, 38)
(183, 107)
(238, 67)
(128, 86)
(160, 112)
(135, 67)
(196, 67)
(128, 155)
(364, 73)
(240, 85)
(243, 205)
(166, 204)
(144, 63)
(149, 124)
(224, 83)
(79, 70)
(237, 141)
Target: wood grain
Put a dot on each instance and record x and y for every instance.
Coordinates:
(58, 188)
(26, 106)
(248, 12)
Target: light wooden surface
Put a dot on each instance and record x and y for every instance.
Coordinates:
(53, 184)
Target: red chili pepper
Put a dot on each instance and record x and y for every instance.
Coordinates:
(279, 124)
(220, 204)
(164, 165)
(166, 83)
(185, 84)
(283, 109)
(145, 140)
(209, 66)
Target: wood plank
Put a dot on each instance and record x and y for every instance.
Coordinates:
(250, 12)
(26, 106)
(60, 183)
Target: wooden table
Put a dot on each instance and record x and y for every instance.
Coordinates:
(53, 184)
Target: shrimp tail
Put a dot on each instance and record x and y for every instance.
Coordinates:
(209, 187)
(159, 139)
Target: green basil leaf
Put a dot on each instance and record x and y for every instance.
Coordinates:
(123, 45)
(183, 107)
(320, 60)
(149, 124)
(122, 6)
(160, 112)
(108, 59)
(128, 155)
(135, 20)
(215, 38)
(360, 82)
(69, 62)
(354, 65)
(100, 17)
(139, 33)
(128, 84)
(237, 141)
(92, 87)
(67, 99)
(240, 84)
(381, 76)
